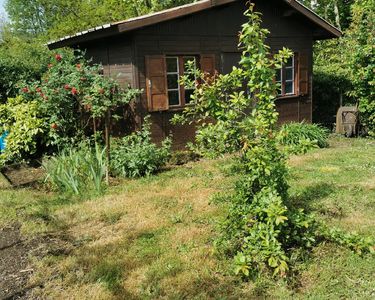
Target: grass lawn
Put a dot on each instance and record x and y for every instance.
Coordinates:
(153, 237)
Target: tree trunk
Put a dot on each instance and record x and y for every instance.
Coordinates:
(107, 143)
(337, 14)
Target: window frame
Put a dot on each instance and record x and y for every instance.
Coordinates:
(283, 79)
(178, 77)
(180, 72)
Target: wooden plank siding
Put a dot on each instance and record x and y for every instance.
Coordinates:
(116, 56)
(214, 31)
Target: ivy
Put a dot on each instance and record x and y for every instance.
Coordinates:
(262, 230)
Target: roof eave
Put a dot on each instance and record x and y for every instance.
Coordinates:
(85, 36)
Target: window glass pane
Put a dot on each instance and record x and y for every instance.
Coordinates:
(172, 81)
(173, 97)
(289, 62)
(289, 74)
(188, 93)
(289, 87)
(172, 64)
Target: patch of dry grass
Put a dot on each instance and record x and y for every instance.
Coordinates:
(144, 239)
(152, 238)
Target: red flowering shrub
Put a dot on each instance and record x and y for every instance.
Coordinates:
(70, 93)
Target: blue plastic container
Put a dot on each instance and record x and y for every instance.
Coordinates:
(2, 141)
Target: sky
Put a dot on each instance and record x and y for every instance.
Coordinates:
(2, 10)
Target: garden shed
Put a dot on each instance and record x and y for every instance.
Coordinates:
(149, 53)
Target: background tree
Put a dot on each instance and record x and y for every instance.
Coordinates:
(57, 18)
(337, 12)
(343, 67)
(20, 60)
(360, 42)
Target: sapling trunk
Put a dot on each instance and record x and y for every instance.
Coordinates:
(107, 143)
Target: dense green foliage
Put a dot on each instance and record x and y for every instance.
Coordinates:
(77, 171)
(263, 230)
(135, 155)
(301, 137)
(20, 60)
(344, 67)
(361, 41)
(337, 12)
(71, 93)
(52, 19)
(60, 110)
(27, 127)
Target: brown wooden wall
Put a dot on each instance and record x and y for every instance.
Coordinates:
(214, 31)
(116, 56)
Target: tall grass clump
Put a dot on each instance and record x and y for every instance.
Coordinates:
(78, 170)
(301, 137)
(135, 155)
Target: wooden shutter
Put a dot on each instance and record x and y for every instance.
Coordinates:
(156, 83)
(303, 73)
(208, 63)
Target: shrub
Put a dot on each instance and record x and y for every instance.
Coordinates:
(301, 137)
(135, 155)
(77, 171)
(75, 96)
(26, 126)
(213, 140)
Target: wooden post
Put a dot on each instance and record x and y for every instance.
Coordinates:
(107, 143)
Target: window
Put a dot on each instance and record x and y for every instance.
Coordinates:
(178, 95)
(163, 72)
(286, 78)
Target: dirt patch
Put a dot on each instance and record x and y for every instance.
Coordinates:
(15, 254)
(23, 175)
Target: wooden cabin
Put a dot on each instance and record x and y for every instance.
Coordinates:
(149, 53)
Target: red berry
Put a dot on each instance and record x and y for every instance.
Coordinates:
(25, 90)
(67, 87)
(74, 91)
(38, 90)
(78, 66)
(54, 126)
(58, 57)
